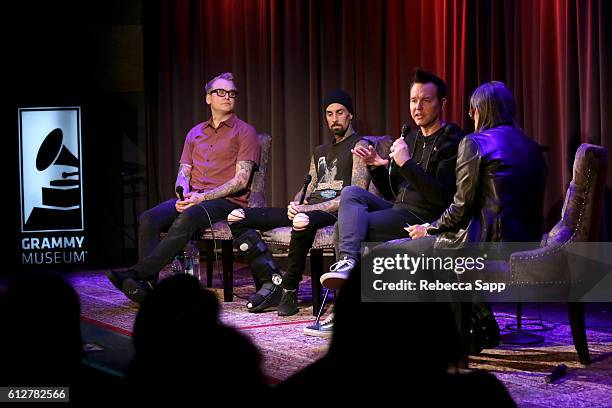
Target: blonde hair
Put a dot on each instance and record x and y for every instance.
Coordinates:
(228, 76)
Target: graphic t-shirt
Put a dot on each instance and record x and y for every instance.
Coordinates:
(334, 164)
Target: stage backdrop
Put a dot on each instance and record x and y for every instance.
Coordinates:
(553, 54)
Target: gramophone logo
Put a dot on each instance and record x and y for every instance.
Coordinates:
(50, 159)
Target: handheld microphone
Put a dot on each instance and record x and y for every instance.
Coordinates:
(403, 134)
(307, 180)
(558, 372)
(179, 191)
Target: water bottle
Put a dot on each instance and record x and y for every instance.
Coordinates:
(188, 264)
(196, 261)
(192, 260)
(177, 265)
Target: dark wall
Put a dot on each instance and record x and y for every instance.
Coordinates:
(88, 54)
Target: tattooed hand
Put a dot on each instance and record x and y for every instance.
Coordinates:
(293, 208)
(191, 199)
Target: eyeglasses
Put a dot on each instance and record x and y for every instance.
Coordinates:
(222, 92)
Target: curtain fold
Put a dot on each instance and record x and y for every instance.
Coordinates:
(553, 55)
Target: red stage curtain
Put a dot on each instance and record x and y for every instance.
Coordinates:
(554, 56)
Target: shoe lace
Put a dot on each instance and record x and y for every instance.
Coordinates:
(341, 263)
(329, 319)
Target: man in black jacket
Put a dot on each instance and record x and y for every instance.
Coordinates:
(419, 183)
(417, 186)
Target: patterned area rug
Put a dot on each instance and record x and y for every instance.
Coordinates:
(286, 350)
(523, 369)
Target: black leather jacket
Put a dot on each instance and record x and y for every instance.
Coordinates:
(501, 175)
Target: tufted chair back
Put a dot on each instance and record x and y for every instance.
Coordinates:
(582, 210)
(258, 184)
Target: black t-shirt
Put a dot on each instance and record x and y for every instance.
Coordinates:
(423, 148)
(334, 164)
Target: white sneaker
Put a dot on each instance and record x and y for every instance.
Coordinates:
(338, 273)
(322, 329)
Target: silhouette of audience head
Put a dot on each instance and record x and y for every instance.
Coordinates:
(170, 309)
(383, 349)
(41, 335)
(180, 344)
(391, 350)
(394, 334)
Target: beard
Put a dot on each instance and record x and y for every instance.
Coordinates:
(338, 130)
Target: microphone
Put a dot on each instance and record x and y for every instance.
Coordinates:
(307, 180)
(179, 191)
(403, 134)
(558, 372)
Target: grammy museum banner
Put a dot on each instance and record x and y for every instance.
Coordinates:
(51, 186)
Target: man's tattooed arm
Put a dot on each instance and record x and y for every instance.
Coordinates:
(238, 183)
(313, 182)
(184, 177)
(360, 176)
(327, 206)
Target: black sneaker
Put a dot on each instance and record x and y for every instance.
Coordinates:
(484, 334)
(117, 277)
(136, 290)
(268, 295)
(288, 303)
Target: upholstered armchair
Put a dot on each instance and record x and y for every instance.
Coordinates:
(544, 271)
(220, 231)
(580, 222)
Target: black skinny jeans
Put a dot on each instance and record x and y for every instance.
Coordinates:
(156, 253)
(264, 219)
